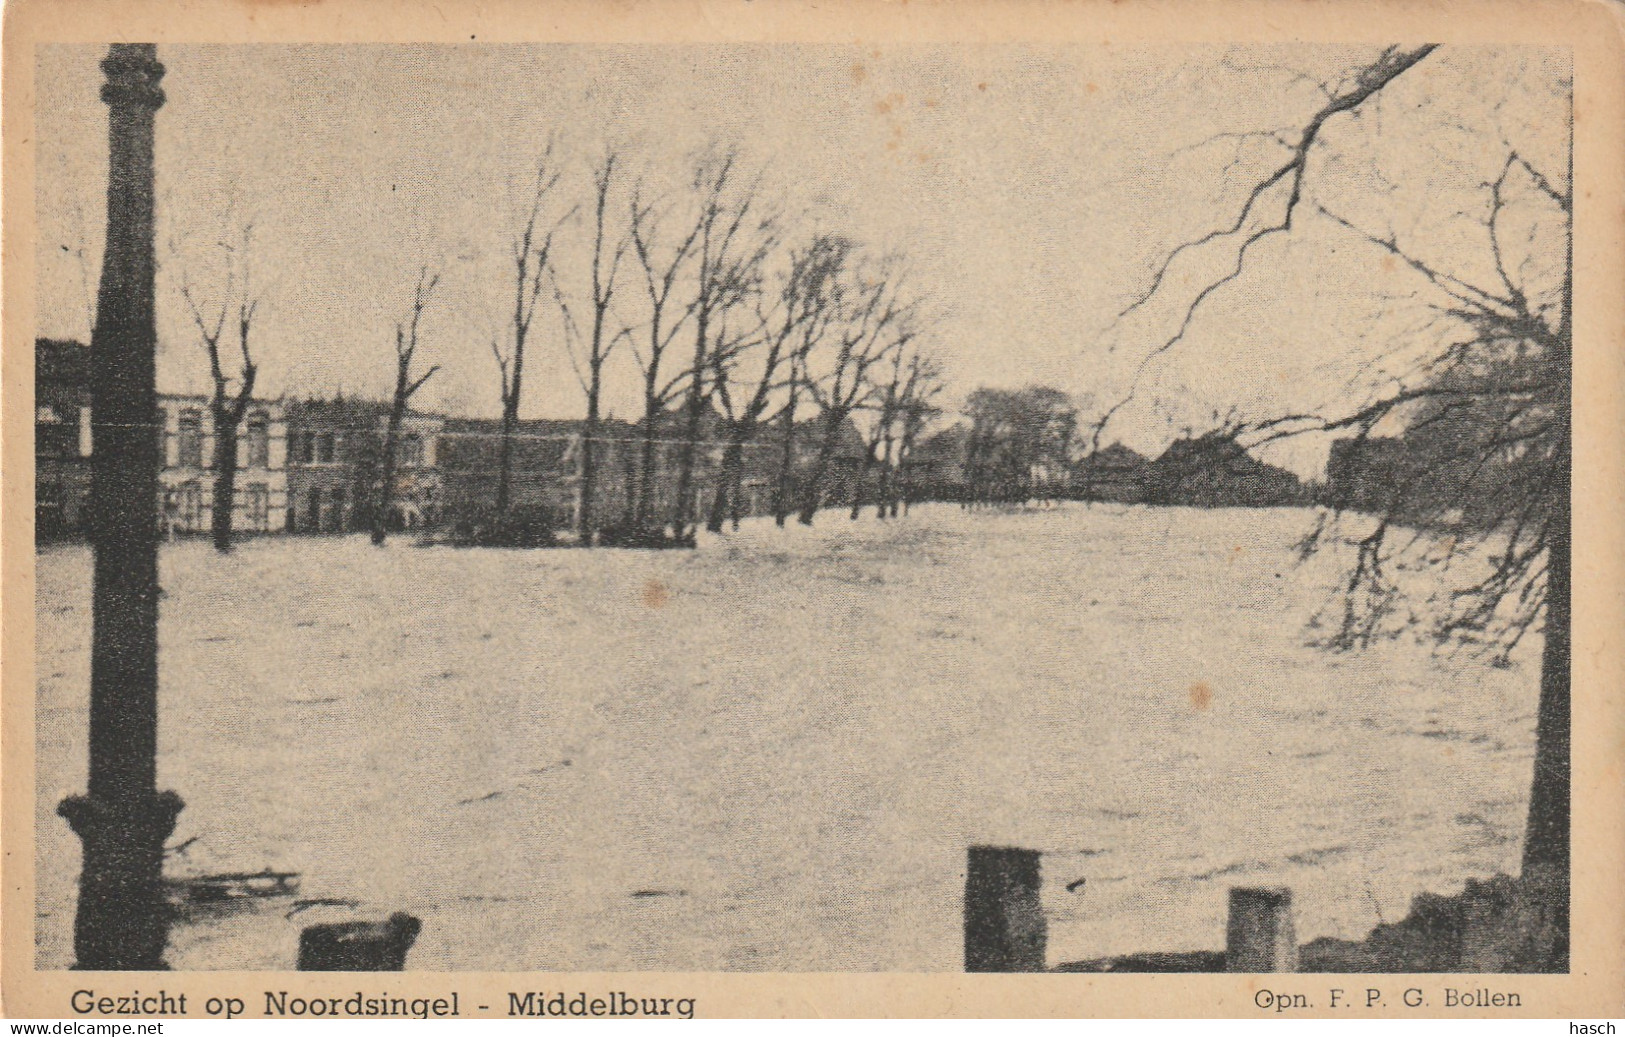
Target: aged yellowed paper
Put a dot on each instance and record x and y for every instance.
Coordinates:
(869, 509)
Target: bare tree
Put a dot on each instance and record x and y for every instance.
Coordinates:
(911, 411)
(873, 320)
(877, 446)
(662, 268)
(729, 251)
(600, 342)
(406, 345)
(788, 320)
(784, 491)
(532, 244)
(1484, 389)
(227, 408)
(832, 253)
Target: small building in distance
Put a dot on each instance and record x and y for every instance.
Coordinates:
(329, 463)
(62, 437)
(846, 461)
(335, 464)
(64, 444)
(187, 479)
(542, 476)
(1367, 473)
(1114, 473)
(1214, 471)
(936, 467)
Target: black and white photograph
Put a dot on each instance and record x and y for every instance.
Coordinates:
(854, 506)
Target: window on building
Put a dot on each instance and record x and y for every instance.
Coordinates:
(324, 448)
(54, 435)
(412, 450)
(189, 453)
(191, 507)
(257, 504)
(259, 441)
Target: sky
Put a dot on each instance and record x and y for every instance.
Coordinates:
(1032, 192)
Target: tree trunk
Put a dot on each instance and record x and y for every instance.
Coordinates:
(737, 489)
(1546, 857)
(510, 415)
(646, 471)
(386, 487)
(813, 491)
(883, 491)
(683, 506)
(1546, 840)
(589, 462)
(903, 491)
(726, 500)
(784, 492)
(225, 476)
(862, 481)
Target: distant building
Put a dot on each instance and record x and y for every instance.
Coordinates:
(546, 459)
(542, 467)
(936, 468)
(670, 432)
(62, 437)
(845, 466)
(1367, 473)
(314, 465)
(419, 489)
(64, 443)
(187, 447)
(335, 465)
(1215, 471)
(1113, 473)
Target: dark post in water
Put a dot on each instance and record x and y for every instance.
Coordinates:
(122, 921)
(1261, 936)
(1004, 920)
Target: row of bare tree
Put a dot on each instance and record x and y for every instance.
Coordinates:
(745, 332)
(741, 330)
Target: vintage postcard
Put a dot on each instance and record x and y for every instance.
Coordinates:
(863, 509)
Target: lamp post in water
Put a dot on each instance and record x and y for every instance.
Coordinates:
(123, 820)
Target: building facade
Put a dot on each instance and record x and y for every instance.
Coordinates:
(64, 443)
(315, 465)
(335, 466)
(542, 468)
(187, 478)
(1114, 473)
(1215, 471)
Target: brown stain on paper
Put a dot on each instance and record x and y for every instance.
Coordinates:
(655, 594)
(1201, 695)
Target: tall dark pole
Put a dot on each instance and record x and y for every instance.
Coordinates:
(123, 922)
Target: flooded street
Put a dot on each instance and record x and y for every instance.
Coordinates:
(772, 753)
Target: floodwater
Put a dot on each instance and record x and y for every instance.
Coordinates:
(772, 753)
